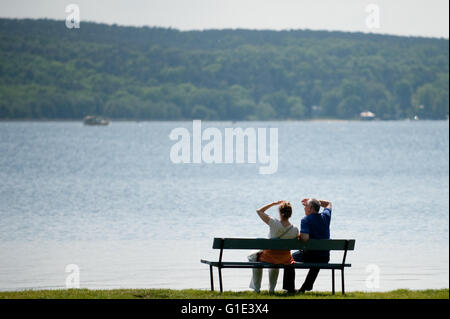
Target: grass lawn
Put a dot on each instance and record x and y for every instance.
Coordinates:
(206, 294)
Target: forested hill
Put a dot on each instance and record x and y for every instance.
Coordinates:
(49, 71)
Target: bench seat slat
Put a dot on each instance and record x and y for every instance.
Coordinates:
(236, 264)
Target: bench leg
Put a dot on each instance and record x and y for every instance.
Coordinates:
(342, 277)
(211, 277)
(220, 279)
(332, 281)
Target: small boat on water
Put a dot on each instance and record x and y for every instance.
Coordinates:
(367, 116)
(95, 120)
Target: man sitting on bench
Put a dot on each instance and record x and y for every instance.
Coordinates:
(312, 226)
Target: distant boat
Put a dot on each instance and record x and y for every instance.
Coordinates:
(367, 116)
(95, 120)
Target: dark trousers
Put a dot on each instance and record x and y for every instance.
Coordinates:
(289, 272)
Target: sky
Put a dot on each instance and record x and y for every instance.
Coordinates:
(429, 18)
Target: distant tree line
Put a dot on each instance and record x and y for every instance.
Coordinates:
(51, 72)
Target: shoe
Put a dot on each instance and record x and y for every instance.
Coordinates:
(303, 289)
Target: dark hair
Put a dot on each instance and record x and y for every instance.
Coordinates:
(315, 204)
(286, 210)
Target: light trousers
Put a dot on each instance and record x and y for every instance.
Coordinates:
(255, 283)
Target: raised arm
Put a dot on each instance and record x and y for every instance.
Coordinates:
(326, 204)
(261, 211)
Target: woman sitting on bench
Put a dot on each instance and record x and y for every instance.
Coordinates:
(278, 229)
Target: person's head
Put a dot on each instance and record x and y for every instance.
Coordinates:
(312, 206)
(285, 210)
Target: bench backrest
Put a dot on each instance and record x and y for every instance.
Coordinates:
(283, 244)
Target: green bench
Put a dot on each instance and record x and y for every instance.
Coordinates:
(281, 244)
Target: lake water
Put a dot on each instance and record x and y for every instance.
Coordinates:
(110, 200)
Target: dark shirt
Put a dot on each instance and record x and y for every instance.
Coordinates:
(317, 226)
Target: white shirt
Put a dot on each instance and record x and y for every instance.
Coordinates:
(276, 229)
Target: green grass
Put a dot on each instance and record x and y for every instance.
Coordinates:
(206, 294)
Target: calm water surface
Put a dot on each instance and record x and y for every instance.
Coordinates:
(110, 200)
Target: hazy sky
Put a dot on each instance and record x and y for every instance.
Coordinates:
(402, 17)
